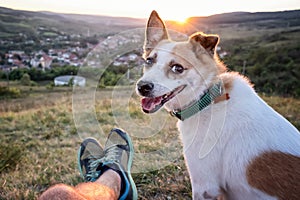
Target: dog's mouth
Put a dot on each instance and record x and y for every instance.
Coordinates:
(151, 105)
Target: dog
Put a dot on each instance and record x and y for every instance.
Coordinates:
(236, 147)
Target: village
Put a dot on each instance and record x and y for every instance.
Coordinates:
(72, 52)
(56, 49)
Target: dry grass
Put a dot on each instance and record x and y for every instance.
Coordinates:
(288, 107)
(39, 143)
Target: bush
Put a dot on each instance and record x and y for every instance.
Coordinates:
(25, 80)
(9, 92)
(272, 70)
(40, 75)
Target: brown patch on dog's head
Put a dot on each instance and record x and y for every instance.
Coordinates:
(155, 32)
(276, 174)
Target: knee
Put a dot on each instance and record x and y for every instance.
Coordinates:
(60, 191)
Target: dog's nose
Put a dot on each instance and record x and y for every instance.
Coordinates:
(145, 87)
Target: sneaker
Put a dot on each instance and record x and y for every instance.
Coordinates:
(90, 150)
(117, 155)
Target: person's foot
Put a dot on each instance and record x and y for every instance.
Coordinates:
(90, 150)
(117, 155)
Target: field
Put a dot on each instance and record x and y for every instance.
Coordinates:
(39, 139)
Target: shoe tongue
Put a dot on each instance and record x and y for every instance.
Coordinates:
(150, 103)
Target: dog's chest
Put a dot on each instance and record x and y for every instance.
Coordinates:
(203, 129)
(200, 138)
(192, 132)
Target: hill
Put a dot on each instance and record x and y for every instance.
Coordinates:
(14, 22)
(283, 17)
(264, 46)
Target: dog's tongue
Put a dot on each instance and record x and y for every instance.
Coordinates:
(150, 103)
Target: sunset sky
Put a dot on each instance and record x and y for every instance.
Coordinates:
(173, 10)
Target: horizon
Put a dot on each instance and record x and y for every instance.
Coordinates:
(141, 9)
(119, 16)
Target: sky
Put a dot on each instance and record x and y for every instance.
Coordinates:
(168, 9)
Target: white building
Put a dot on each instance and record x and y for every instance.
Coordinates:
(65, 80)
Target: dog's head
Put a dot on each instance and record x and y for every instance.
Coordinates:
(175, 73)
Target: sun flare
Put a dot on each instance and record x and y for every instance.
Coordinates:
(180, 19)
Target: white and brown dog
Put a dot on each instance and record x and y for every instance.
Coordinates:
(235, 145)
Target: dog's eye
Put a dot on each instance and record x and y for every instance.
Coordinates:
(149, 61)
(177, 68)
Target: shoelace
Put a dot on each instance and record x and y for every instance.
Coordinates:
(111, 157)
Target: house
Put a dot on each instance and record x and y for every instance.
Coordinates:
(34, 62)
(46, 61)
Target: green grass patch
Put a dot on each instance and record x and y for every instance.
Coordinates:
(9, 92)
(11, 154)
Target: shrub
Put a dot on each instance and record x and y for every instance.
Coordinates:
(25, 80)
(9, 92)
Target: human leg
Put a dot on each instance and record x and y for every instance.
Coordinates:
(107, 172)
(106, 187)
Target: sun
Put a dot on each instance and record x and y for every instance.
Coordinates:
(180, 19)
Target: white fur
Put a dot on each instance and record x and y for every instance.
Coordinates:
(250, 128)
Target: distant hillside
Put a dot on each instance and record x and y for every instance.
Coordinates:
(14, 22)
(243, 17)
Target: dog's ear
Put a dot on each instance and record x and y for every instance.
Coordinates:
(155, 32)
(209, 42)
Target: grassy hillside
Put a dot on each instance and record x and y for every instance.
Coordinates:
(281, 18)
(14, 22)
(39, 141)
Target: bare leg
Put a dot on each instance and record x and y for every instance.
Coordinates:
(107, 187)
(112, 180)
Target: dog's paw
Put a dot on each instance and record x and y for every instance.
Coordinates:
(208, 191)
(206, 195)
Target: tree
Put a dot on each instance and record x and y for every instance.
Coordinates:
(25, 80)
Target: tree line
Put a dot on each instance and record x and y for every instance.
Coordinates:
(272, 70)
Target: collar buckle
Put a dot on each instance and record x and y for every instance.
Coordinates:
(176, 113)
